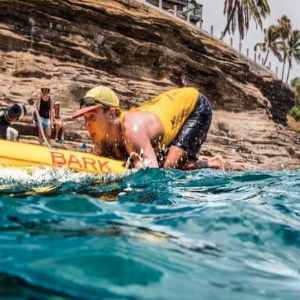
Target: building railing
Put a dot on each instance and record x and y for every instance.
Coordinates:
(187, 15)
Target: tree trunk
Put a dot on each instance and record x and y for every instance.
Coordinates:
(230, 19)
(266, 57)
(288, 75)
(282, 76)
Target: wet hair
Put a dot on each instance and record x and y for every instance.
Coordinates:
(107, 108)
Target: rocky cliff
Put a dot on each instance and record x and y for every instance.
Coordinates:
(78, 44)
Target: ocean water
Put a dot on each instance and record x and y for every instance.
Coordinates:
(153, 234)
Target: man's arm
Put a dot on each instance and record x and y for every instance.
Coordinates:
(138, 143)
(52, 110)
(37, 100)
(37, 104)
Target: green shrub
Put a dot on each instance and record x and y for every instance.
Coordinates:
(295, 112)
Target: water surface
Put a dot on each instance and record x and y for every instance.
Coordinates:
(154, 234)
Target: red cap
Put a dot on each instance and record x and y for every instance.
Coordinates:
(84, 110)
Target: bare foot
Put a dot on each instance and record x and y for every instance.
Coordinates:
(216, 162)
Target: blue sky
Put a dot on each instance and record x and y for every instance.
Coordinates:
(213, 15)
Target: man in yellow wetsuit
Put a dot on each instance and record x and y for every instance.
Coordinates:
(167, 131)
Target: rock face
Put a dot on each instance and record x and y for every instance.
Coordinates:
(75, 45)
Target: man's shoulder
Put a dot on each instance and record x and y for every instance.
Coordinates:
(135, 122)
(136, 116)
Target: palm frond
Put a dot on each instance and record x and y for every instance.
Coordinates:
(240, 12)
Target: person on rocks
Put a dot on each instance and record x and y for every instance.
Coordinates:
(59, 126)
(180, 79)
(9, 115)
(44, 105)
(167, 131)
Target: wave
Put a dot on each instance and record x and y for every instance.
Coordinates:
(151, 234)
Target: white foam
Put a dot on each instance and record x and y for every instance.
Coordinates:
(38, 177)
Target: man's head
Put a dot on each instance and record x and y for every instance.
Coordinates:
(100, 107)
(97, 97)
(45, 88)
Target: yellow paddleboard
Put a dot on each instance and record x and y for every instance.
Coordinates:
(21, 155)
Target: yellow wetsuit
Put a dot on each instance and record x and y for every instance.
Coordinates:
(172, 108)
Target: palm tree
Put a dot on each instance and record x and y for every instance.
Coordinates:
(284, 28)
(293, 50)
(295, 82)
(270, 44)
(241, 11)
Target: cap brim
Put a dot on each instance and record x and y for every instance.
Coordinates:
(84, 110)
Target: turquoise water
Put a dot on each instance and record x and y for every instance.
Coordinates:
(155, 234)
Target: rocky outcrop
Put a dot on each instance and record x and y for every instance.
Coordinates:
(75, 45)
